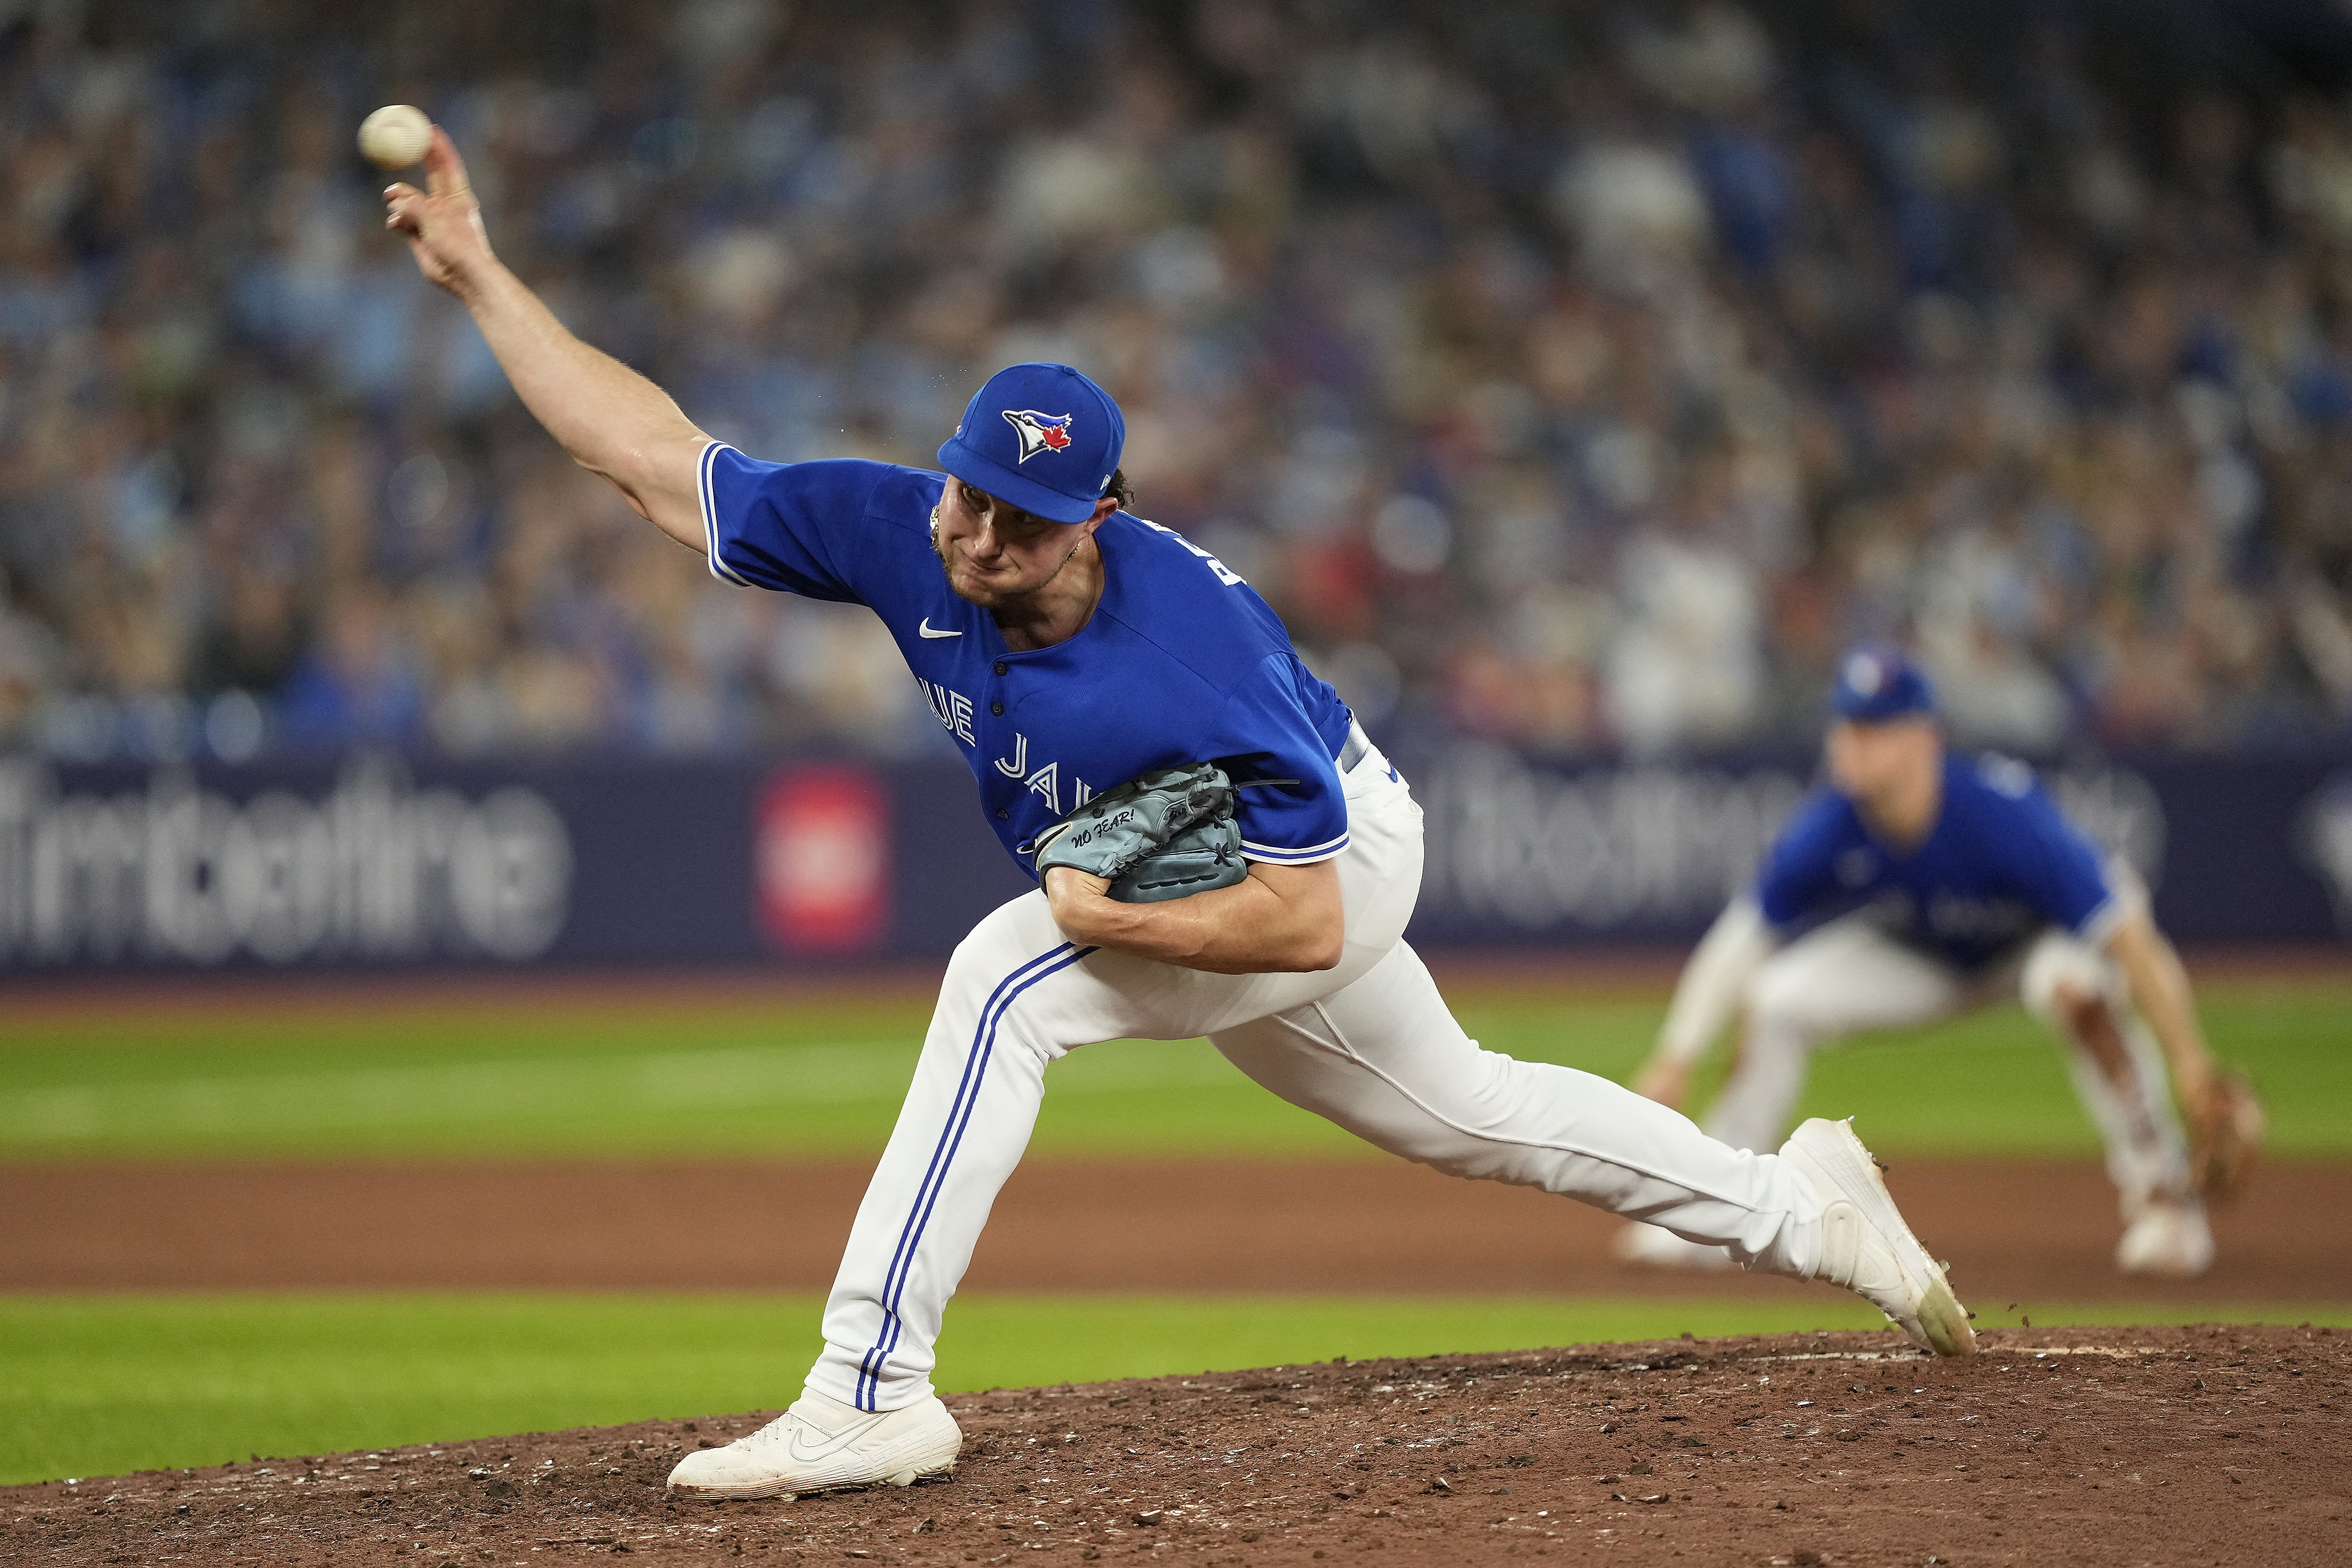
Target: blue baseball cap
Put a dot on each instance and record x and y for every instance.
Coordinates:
(1042, 437)
(1876, 683)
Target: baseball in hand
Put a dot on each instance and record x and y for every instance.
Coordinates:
(395, 136)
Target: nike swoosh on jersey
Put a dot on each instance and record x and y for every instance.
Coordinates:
(925, 630)
(834, 1441)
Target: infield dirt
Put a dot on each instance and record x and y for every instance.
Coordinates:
(2022, 1232)
(2090, 1446)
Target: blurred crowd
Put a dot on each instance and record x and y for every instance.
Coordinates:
(1578, 376)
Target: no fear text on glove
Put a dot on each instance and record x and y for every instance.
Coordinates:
(1167, 834)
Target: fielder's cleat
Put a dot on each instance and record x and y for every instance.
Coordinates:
(1655, 1247)
(2168, 1238)
(822, 1444)
(1865, 1246)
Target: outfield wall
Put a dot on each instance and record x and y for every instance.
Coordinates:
(373, 860)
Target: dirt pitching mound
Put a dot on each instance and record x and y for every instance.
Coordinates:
(2110, 1445)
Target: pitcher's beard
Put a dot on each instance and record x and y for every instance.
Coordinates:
(992, 597)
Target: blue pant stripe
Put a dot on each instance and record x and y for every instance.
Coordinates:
(934, 1179)
(870, 1369)
(892, 1322)
(959, 1111)
(868, 1365)
(963, 1088)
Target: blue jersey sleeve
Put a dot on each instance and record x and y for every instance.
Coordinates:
(2053, 866)
(1291, 811)
(801, 527)
(1798, 882)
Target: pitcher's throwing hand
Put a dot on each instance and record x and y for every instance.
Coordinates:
(443, 222)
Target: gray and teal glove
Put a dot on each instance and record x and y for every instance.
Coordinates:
(1167, 834)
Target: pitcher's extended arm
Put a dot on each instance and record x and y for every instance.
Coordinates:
(610, 420)
(1706, 997)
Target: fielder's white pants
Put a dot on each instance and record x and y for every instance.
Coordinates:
(1849, 976)
(1369, 1045)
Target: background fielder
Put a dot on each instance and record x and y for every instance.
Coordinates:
(1918, 884)
(1069, 645)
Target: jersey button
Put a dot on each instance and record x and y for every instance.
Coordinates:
(1003, 815)
(996, 708)
(1001, 668)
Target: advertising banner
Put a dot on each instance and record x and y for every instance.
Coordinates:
(373, 860)
(380, 860)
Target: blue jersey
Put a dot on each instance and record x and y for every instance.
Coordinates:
(1181, 662)
(1999, 864)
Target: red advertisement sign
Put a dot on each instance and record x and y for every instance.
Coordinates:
(823, 859)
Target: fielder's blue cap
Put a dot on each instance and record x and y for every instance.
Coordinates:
(1876, 683)
(1042, 437)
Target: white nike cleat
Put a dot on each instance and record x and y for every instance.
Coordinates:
(2168, 1240)
(1655, 1247)
(1865, 1246)
(820, 1445)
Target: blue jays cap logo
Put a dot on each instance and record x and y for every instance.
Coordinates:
(1038, 431)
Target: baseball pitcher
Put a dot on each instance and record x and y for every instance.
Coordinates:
(1920, 885)
(1221, 851)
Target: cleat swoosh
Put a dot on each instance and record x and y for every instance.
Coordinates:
(834, 1443)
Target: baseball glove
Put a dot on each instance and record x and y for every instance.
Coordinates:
(2232, 1137)
(1167, 834)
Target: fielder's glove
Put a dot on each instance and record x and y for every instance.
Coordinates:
(2230, 1139)
(1167, 834)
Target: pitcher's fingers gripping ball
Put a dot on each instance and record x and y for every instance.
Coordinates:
(443, 222)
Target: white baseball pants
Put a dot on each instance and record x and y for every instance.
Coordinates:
(1848, 976)
(1369, 1045)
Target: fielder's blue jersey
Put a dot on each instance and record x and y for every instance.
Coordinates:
(1181, 662)
(1999, 866)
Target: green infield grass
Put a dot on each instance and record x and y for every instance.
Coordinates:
(94, 1385)
(666, 1077)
